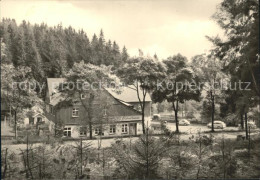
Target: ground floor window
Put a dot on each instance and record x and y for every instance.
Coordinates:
(83, 131)
(31, 121)
(124, 128)
(98, 131)
(112, 129)
(67, 131)
(40, 120)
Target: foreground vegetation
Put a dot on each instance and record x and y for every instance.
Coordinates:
(202, 156)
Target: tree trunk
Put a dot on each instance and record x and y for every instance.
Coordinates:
(147, 152)
(43, 164)
(212, 111)
(242, 121)
(142, 104)
(81, 157)
(5, 166)
(27, 156)
(176, 121)
(104, 162)
(143, 120)
(15, 124)
(176, 116)
(25, 165)
(91, 99)
(143, 112)
(90, 130)
(223, 157)
(182, 111)
(246, 126)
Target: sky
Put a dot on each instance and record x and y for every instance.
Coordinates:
(164, 27)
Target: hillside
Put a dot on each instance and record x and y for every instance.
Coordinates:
(51, 51)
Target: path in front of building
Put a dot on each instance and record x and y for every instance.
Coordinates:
(195, 128)
(6, 130)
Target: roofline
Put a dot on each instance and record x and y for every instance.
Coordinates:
(136, 93)
(122, 103)
(38, 114)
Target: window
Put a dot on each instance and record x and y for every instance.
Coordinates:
(39, 120)
(82, 96)
(124, 128)
(67, 131)
(98, 131)
(83, 131)
(112, 129)
(75, 112)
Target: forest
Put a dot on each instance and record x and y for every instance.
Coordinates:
(52, 51)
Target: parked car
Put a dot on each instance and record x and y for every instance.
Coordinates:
(217, 125)
(184, 122)
(156, 117)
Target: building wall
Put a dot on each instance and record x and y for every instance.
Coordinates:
(114, 108)
(75, 130)
(47, 122)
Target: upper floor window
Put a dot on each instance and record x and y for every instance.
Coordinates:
(75, 112)
(82, 96)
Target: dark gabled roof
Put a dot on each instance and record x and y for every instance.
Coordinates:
(128, 94)
(124, 104)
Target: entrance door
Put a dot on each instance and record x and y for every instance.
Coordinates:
(132, 128)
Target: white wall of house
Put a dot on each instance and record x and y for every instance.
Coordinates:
(44, 119)
(26, 121)
(75, 130)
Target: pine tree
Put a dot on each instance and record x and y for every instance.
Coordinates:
(140, 160)
(125, 55)
(94, 47)
(116, 54)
